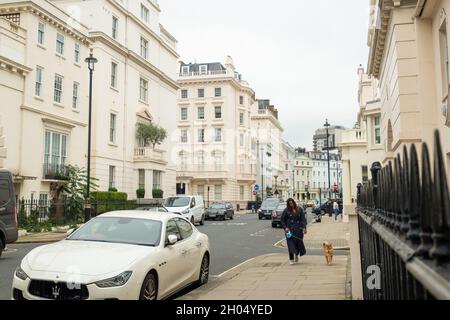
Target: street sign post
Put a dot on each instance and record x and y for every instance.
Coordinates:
(256, 188)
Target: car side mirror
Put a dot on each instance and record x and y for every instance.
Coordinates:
(192, 205)
(172, 239)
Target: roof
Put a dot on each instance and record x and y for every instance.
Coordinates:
(141, 214)
(195, 67)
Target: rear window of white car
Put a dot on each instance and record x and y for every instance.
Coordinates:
(143, 232)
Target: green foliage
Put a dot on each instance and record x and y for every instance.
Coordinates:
(113, 189)
(109, 196)
(157, 193)
(140, 193)
(150, 134)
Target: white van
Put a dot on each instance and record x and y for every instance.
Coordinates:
(190, 207)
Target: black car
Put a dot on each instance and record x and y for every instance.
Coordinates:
(8, 213)
(220, 210)
(327, 208)
(276, 216)
(268, 207)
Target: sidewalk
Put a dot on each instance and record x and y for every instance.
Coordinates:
(43, 237)
(270, 277)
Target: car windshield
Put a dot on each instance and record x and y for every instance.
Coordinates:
(176, 202)
(218, 206)
(143, 232)
(270, 203)
(281, 207)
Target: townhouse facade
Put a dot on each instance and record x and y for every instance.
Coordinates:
(45, 91)
(214, 152)
(320, 190)
(303, 176)
(285, 182)
(134, 82)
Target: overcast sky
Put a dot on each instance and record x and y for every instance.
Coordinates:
(302, 55)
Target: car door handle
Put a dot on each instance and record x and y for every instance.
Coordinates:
(199, 244)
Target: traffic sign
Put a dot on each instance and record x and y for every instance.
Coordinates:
(254, 193)
(256, 188)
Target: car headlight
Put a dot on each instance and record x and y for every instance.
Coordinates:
(21, 274)
(116, 281)
(259, 211)
(185, 211)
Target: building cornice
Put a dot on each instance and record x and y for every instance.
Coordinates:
(270, 118)
(54, 118)
(101, 37)
(45, 15)
(14, 67)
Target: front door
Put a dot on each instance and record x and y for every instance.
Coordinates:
(181, 188)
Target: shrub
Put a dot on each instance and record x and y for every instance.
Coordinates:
(112, 190)
(140, 193)
(109, 196)
(157, 194)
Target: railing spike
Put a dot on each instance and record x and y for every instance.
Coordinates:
(441, 228)
(399, 193)
(411, 218)
(426, 211)
(406, 193)
(390, 197)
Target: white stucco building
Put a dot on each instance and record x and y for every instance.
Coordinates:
(285, 181)
(214, 139)
(45, 81)
(319, 188)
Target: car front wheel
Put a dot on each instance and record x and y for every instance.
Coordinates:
(149, 290)
(1, 246)
(202, 222)
(204, 271)
(192, 220)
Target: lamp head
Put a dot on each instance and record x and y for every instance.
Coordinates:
(91, 61)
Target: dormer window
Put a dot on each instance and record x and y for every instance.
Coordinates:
(203, 69)
(185, 70)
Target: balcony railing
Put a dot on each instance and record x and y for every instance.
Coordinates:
(354, 136)
(55, 171)
(205, 73)
(148, 153)
(404, 228)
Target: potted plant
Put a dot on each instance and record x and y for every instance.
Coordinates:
(157, 193)
(140, 193)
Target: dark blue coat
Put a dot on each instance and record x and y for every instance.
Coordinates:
(295, 222)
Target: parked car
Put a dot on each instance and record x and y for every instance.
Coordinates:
(190, 207)
(267, 208)
(326, 208)
(276, 215)
(8, 211)
(220, 210)
(153, 209)
(124, 255)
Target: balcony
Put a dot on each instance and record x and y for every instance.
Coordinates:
(149, 154)
(55, 172)
(210, 73)
(353, 136)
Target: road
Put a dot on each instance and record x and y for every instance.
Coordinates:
(232, 242)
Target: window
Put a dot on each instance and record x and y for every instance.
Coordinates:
(203, 69)
(443, 43)
(241, 118)
(77, 53)
(157, 179)
(184, 136)
(112, 177)
(185, 228)
(377, 126)
(218, 112)
(201, 190)
(141, 173)
(242, 165)
(218, 92)
(144, 13)
(185, 70)
(365, 174)
(60, 43)
(184, 113)
(143, 95)
(218, 161)
(201, 113)
(241, 100)
(172, 229)
(201, 161)
(218, 135)
(115, 25)
(58, 88)
(75, 90)
(113, 75)
(241, 192)
(201, 135)
(183, 161)
(41, 33)
(112, 128)
(241, 140)
(38, 86)
(144, 48)
(218, 193)
(201, 93)
(55, 153)
(184, 94)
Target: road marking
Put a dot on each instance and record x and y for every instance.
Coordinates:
(278, 244)
(235, 267)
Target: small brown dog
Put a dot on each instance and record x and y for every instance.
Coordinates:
(328, 252)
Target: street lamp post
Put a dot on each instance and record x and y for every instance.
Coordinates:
(327, 125)
(276, 188)
(262, 174)
(91, 61)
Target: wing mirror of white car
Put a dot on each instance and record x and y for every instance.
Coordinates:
(172, 239)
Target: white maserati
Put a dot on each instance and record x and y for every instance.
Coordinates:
(124, 255)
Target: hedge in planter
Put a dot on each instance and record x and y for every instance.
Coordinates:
(140, 193)
(157, 194)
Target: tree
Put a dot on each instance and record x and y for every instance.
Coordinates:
(150, 134)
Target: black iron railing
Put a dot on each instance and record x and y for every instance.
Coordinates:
(54, 171)
(404, 228)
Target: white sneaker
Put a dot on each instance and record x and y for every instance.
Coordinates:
(291, 262)
(296, 259)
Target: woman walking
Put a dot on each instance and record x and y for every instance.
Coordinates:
(293, 221)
